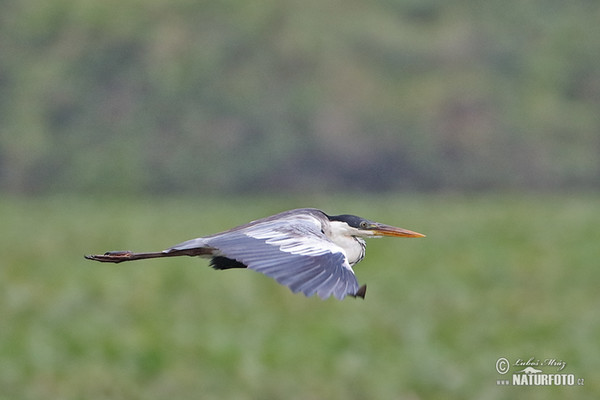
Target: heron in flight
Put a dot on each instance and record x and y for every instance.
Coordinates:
(304, 249)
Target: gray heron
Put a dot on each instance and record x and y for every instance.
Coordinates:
(304, 249)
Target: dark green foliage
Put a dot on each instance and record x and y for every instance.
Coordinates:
(232, 96)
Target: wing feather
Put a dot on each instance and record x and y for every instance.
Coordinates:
(291, 249)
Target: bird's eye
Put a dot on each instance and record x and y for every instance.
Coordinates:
(364, 224)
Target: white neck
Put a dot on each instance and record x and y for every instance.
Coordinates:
(347, 238)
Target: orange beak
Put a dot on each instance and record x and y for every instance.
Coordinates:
(387, 230)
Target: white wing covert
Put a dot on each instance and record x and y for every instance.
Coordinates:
(297, 255)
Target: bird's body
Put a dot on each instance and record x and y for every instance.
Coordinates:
(304, 249)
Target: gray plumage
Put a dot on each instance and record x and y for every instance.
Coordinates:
(303, 249)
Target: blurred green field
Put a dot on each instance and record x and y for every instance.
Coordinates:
(497, 276)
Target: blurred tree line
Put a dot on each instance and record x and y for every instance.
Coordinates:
(241, 96)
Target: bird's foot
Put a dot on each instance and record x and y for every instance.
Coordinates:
(111, 256)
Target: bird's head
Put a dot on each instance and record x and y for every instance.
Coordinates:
(362, 227)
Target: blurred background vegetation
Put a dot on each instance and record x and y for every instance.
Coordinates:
(237, 96)
(137, 124)
(497, 276)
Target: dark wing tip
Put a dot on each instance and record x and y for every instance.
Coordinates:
(361, 292)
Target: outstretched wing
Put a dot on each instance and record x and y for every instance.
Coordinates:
(292, 250)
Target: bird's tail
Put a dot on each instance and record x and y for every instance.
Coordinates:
(120, 256)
